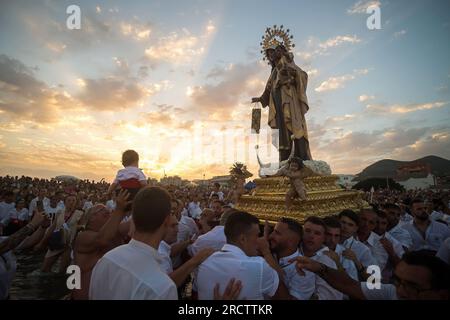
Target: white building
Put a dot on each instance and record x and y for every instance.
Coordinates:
(346, 180)
(423, 182)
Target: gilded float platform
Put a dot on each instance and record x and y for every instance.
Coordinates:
(324, 197)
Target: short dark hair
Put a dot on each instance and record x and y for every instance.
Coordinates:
(239, 223)
(293, 225)
(416, 200)
(129, 157)
(151, 206)
(317, 221)
(439, 270)
(216, 184)
(349, 214)
(332, 222)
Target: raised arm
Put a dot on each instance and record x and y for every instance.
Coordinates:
(180, 275)
(15, 239)
(89, 241)
(339, 280)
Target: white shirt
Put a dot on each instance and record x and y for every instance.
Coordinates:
(87, 205)
(165, 261)
(21, 215)
(401, 235)
(348, 265)
(388, 270)
(444, 251)
(111, 205)
(323, 290)
(8, 266)
(214, 238)
(131, 272)
(363, 253)
(376, 248)
(194, 210)
(438, 215)
(435, 235)
(130, 173)
(405, 218)
(386, 292)
(302, 287)
(258, 279)
(186, 228)
(5, 211)
(33, 204)
(219, 193)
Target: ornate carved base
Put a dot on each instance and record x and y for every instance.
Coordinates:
(324, 198)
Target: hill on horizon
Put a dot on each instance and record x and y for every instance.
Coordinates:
(387, 167)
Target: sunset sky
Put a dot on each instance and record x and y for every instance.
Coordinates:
(173, 80)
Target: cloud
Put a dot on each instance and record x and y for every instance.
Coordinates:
(24, 97)
(180, 47)
(314, 47)
(407, 108)
(119, 90)
(361, 6)
(365, 97)
(136, 30)
(337, 41)
(334, 83)
(112, 93)
(400, 33)
(237, 83)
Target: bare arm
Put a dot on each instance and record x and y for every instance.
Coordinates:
(15, 239)
(179, 247)
(89, 241)
(112, 187)
(339, 280)
(180, 275)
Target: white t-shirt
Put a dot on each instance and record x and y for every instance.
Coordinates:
(130, 173)
(131, 272)
(259, 280)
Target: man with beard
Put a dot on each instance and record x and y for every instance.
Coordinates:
(426, 234)
(394, 228)
(284, 242)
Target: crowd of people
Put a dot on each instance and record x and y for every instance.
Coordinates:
(132, 240)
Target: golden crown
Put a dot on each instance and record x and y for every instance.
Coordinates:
(276, 36)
